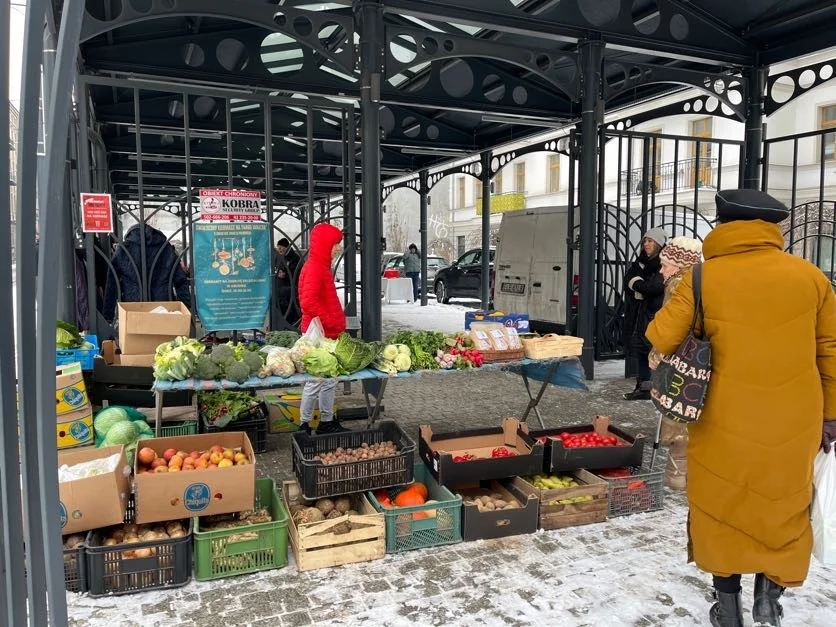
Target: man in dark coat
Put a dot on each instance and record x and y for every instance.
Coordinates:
(164, 273)
(286, 280)
(645, 292)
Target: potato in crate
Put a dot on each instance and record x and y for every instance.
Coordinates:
(333, 531)
(75, 565)
(246, 542)
(132, 558)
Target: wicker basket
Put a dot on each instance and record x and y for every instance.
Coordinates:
(552, 345)
(509, 355)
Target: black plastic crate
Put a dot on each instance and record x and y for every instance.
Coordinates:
(75, 569)
(320, 481)
(253, 422)
(558, 458)
(112, 572)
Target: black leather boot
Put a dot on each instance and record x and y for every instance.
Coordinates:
(641, 393)
(727, 611)
(767, 610)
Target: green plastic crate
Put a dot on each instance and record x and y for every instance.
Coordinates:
(404, 532)
(176, 429)
(217, 554)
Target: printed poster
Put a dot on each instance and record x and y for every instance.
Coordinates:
(232, 274)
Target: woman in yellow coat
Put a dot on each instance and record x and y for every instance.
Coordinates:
(771, 321)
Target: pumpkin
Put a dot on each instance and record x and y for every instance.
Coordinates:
(408, 498)
(420, 488)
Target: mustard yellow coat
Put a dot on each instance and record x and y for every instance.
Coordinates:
(771, 320)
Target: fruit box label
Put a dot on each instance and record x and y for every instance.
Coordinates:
(197, 497)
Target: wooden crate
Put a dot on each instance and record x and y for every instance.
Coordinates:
(554, 515)
(315, 546)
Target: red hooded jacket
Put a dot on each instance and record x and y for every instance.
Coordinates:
(317, 291)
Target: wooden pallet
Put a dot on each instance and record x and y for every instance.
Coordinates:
(315, 546)
(554, 515)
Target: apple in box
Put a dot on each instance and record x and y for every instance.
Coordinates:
(194, 475)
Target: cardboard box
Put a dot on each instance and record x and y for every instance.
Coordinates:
(70, 392)
(93, 502)
(558, 458)
(440, 450)
(140, 331)
(478, 525)
(175, 495)
(76, 428)
(518, 321)
(138, 360)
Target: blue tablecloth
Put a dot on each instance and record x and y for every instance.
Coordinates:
(569, 373)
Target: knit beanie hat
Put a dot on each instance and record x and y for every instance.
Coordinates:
(658, 235)
(682, 252)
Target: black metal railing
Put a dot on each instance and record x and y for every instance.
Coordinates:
(682, 174)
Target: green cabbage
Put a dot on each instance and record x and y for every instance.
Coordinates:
(320, 363)
(353, 354)
(108, 417)
(125, 432)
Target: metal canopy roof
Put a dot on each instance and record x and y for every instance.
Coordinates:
(455, 75)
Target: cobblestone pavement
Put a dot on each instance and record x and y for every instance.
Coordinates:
(627, 571)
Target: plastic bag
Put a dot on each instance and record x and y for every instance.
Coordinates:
(824, 507)
(315, 333)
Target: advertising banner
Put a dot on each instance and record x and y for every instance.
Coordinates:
(232, 277)
(96, 213)
(233, 205)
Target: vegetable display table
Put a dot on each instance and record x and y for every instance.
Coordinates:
(564, 372)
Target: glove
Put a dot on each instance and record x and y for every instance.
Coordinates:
(828, 435)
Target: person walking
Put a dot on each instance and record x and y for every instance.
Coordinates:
(771, 320)
(644, 288)
(318, 299)
(285, 266)
(412, 269)
(678, 256)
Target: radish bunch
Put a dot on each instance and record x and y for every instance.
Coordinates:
(445, 361)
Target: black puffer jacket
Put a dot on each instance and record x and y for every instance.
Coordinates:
(161, 270)
(645, 293)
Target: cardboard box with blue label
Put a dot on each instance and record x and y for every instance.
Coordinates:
(165, 496)
(518, 321)
(75, 429)
(94, 501)
(70, 392)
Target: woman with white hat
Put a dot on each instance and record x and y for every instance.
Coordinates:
(644, 292)
(678, 256)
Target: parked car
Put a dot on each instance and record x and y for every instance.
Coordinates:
(462, 278)
(434, 264)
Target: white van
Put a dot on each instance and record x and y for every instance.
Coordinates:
(531, 269)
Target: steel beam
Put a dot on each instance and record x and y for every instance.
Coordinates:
(591, 104)
(485, 288)
(369, 16)
(350, 212)
(756, 78)
(424, 192)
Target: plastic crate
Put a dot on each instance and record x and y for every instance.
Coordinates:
(405, 531)
(642, 491)
(84, 356)
(245, 549)
(253, 422)
(318, 481)
(176, 429)
(75, 569)
(110, 572)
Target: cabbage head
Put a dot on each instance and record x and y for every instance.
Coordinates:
(402, 362)
(390, 352)
(108, 417)
(354, 354)
(122, 433)
(320, 363)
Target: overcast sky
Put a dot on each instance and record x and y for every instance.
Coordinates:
(16, 50)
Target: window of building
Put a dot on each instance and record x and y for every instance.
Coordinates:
(497, 183)
(477, 189)
(519, 177)
(460, 197)
(554, 174)
(460, 244)
(827, 120)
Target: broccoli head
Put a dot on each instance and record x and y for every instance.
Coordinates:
(253, 361)
(206, 368)
(222, 354)
(237, 371)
